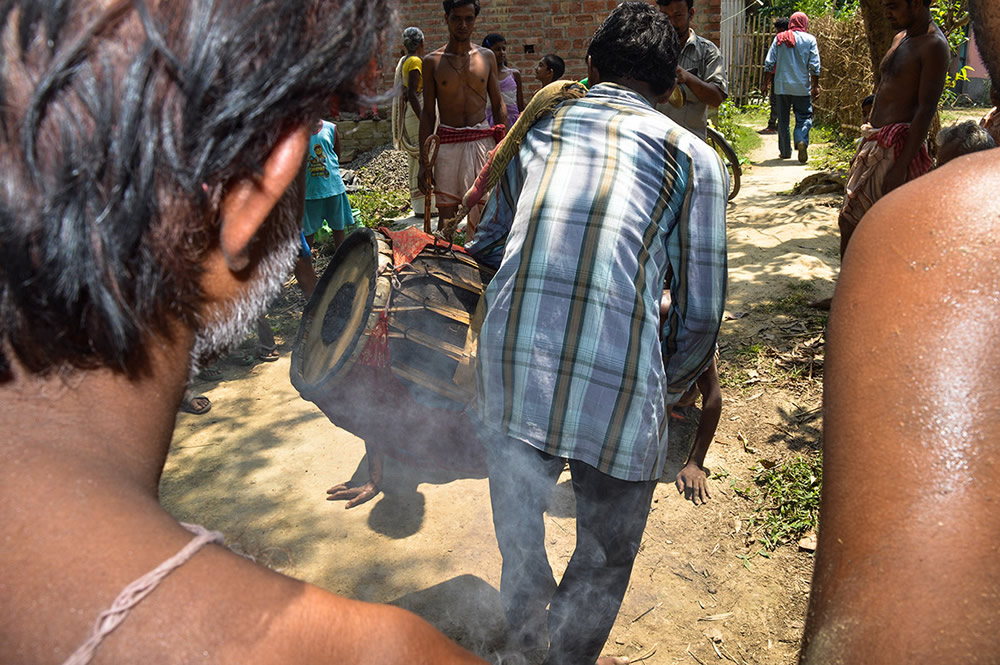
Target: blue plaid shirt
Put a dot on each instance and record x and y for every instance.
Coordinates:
(603, 196)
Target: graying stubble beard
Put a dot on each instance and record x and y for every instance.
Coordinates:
(225, 325)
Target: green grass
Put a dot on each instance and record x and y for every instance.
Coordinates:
(738, 126)
(376, 207)
(786, 496)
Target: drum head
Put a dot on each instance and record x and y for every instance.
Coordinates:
(331, 332)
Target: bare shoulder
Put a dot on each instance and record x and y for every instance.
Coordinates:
(433, 57)
(957, 201)
(935, 44)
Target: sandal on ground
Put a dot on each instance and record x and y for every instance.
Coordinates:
(210, 374)
(196, 404)
(268, 353)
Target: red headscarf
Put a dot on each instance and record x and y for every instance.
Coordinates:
(798, 23)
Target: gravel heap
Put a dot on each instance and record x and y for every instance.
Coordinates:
(381, 169)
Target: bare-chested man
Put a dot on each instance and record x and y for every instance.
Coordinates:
(893, 149)
(460, 79)
(907, 568)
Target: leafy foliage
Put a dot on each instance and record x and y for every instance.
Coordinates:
(375, 207)
(731, 123)
(787, 499)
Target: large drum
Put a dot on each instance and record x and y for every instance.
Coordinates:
(384, 347)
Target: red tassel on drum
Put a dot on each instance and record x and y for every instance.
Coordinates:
(376, 351)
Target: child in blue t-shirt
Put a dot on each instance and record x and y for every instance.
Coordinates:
(326, 195)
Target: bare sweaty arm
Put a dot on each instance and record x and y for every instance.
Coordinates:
(907, 568)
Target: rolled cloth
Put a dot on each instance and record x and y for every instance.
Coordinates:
(463, 153)
(878, 152)
(798, 23)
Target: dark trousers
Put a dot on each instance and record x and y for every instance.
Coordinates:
(802, 106)
(610, 518)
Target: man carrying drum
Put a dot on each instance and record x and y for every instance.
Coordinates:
(569, 359)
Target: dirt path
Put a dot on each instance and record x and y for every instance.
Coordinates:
(257, 467)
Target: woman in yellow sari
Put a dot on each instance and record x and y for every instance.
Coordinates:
(406, 110)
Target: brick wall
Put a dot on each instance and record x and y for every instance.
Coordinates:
(562, 27)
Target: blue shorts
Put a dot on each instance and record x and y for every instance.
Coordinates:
(304, 250)
(334, 210)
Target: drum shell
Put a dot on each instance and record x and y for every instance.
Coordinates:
(411, 409)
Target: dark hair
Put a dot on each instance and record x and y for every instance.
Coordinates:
(638, 42)
(868, 101)
(690, 3)
(454, 4)
(493, 38)
(556, 64)
(781, 24)
(122, 124)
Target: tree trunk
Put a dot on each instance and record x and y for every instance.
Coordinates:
(879, 33)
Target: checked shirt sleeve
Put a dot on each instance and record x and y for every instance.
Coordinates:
(488, 244)
(697, 251)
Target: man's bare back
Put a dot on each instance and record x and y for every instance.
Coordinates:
(911, 64)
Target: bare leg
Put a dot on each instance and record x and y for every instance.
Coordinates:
(306, 276)
(355, 496)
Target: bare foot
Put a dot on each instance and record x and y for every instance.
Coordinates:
(196, 404)
(354, 496)
(612, 660)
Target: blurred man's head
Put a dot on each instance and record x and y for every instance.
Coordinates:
(781, 24)
(902, 14)
(141, 149)
(550, 68)
(962, 139)
(635, 45)
(680, 13)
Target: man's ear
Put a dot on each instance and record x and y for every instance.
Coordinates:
(248, 202)
(593, 74)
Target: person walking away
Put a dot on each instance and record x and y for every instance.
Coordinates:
(406, 110)
(701, 71)
(793, 66)
(571, 364)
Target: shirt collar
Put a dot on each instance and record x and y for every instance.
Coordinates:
(617, 92)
